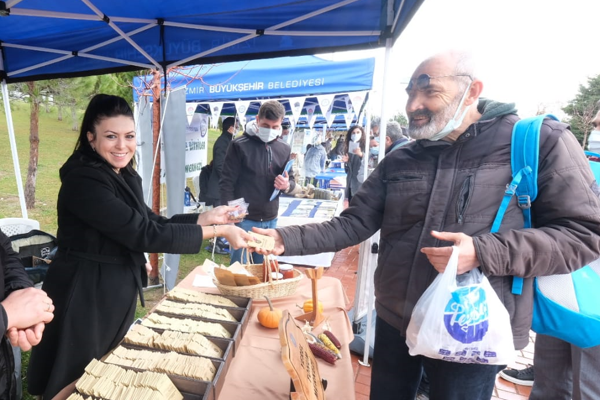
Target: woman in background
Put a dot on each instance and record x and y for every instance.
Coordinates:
(355, 147)
(104, 228)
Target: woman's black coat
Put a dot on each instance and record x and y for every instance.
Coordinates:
(104, 228)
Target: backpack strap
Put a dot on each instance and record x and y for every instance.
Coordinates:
(525, 151)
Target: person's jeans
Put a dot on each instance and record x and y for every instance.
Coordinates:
(247, 225)
(396, 374)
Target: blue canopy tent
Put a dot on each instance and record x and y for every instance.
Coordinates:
(42, 39)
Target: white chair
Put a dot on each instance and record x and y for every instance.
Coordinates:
(16, 226)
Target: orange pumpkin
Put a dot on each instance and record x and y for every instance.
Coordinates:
(308, 306)
(269, 317)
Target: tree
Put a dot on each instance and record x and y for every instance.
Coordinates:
(582, 109)
(34, 142)
(401, 119)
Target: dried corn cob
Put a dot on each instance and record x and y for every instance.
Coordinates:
(333, 339)
(322, 352)
(315, 338)
(329, 344)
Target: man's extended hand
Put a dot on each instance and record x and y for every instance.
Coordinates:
(26, 338)
(279, 247)
(439, 256)
(282, 182)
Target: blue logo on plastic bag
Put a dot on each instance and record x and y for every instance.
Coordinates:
(466, 314)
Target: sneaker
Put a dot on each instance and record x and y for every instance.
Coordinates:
(522, 377)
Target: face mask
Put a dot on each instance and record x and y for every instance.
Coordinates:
(267, 134)
(455, 122)
(356, 137)
(374, 151)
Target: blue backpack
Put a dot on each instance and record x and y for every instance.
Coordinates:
(564, 306)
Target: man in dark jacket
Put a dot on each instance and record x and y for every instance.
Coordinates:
(254, 168)
(213, 197)
(445, 188)
(24, 312)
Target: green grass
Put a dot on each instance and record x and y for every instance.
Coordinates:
(57, 141)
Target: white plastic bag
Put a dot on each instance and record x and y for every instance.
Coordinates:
(461, 319)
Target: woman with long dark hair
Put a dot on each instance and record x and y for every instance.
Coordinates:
(355, 147)
(104, 228)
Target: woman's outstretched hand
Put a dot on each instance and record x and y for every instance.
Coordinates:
(218, 216)
(237, 237)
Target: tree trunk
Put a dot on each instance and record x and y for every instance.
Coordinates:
(75, 126)
(34, 141)
(60, 117)
(153, 278)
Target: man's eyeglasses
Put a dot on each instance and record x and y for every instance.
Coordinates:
(423, 81)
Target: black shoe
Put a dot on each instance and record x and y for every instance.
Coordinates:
(523, 377)
(218, 250)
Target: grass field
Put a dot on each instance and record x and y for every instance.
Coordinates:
(57, 141)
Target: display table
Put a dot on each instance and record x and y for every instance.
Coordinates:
(257, 371)
(294, 211)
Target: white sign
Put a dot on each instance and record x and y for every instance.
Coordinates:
(325, 102)
(241, 108)
(190, 109)
(215, 111)
(357, 99)
(296, 105)
(349, 117)
(196, 145)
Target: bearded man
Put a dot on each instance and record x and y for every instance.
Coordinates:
(444, 189)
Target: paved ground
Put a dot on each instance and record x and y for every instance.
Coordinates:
(344, 267)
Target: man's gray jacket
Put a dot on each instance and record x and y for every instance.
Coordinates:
(458, 187)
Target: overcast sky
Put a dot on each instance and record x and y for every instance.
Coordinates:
(528, 51)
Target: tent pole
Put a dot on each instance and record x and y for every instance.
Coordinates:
(384, 106)
(382, 134)
(13, 147)
(13, 142)
(156, 105)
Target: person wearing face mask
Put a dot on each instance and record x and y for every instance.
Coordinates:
(353, 154)
(213, 197)
(314, 160)
(254, 168)
(444, 189)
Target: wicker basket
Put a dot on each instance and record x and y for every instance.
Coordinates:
(273, 289)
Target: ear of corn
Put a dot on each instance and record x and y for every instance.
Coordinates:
(333, 339)
(330, 345)
(322, 352)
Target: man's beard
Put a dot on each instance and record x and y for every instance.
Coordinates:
(436, 122)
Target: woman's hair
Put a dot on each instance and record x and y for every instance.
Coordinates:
(363, 138)
(101, 106)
